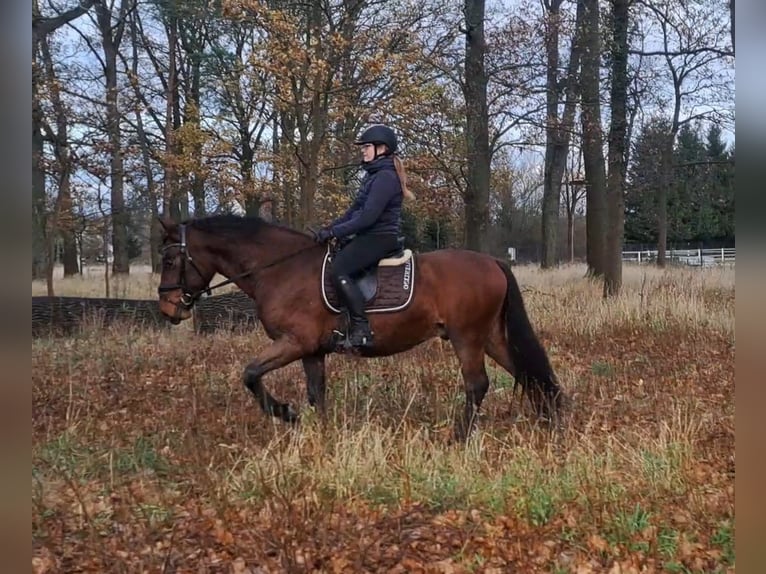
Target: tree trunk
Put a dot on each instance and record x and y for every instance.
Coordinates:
(51, 257)
(198, 190)
(558, 130)
(571, 205)
(247, 158)
(66, 228)
(477, 129)
(617, 144)
(287, 121)
(666, 160)
(551, 193)
(193, 106)
(666, 167)
(252, 199)
(344, 160)
(593, 151)
(39, 197)
(155, 232)
(111, 36)
(308, 173)
(65, 218)
(63, 221)
(311, 121)
(731, 20)
(120, 264)
(170, 204)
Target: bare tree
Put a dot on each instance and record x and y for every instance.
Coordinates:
(148, 155)
(615, 193)
(194, 40)
(57, 135)
(42, 27)
(477, 128)
(558, 127)
(693, 47)
(174, 202)
(593, 144)
(242, 94)
(112, 27)
(731, 23)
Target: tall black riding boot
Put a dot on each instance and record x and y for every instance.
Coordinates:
(359, 334)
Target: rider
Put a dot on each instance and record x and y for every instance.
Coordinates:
(374, 221)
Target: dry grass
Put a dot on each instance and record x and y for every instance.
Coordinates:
(140, 284)
(702, 298)
(148, 454)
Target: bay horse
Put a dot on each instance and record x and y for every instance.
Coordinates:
(469, 298)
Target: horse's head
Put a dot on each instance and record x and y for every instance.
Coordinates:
(183, 278)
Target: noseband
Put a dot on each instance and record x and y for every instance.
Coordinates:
(188, 297)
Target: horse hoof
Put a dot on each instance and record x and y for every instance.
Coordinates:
(289, 414)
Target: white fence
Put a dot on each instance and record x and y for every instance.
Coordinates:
(693, 257)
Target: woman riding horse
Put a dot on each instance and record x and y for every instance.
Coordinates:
(468, 298)
(374, 219)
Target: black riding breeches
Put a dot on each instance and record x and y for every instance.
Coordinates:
(362, 252)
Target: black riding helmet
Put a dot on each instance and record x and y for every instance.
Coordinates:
(379, 134)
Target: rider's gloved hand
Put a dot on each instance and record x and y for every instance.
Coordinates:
(324, 235)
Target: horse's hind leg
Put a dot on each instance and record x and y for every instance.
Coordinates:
(475, 381)
(497, 349)
(280, 353)
(313, 366)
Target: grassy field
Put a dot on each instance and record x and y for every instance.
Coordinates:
(150, 456)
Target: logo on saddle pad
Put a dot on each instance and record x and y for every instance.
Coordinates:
(387, 287)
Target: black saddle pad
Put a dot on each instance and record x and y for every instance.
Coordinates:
(386, 288)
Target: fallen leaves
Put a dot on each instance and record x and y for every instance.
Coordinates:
(597, 543)
(153, 465)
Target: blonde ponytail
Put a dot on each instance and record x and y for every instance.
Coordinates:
(399, 165)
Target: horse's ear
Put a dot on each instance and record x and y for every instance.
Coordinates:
(167, 224)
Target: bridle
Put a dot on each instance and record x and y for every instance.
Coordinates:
(189, 297)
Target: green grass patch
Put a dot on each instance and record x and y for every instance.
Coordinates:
(602, 369)
(724, 540)
(628, 523)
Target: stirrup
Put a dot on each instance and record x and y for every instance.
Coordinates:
(359, 333)
(357, 339)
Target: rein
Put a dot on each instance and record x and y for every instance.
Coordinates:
(188, 298)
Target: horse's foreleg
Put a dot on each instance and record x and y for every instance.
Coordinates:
(313, 365)
(280, 353)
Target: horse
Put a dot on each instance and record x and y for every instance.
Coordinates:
(468, 298)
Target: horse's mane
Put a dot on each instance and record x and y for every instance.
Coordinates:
(233, 226)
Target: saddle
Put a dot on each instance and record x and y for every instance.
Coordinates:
(387, 287)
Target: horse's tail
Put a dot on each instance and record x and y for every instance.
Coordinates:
(533, 369)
